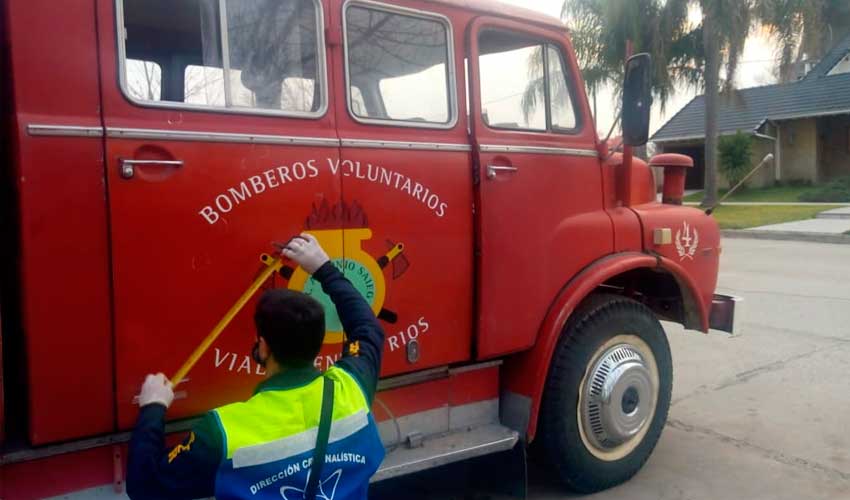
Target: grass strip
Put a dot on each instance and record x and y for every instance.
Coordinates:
(745, 217)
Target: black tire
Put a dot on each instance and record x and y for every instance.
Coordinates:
(580, 462)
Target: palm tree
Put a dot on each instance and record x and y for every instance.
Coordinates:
(601, 28)
(805, 30)
(682, 53)
(725, 28)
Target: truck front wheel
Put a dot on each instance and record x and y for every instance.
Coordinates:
(607, 394)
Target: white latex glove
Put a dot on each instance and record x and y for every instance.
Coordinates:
(156, 389)
(306, 252)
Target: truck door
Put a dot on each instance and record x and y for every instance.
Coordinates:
(539, 207)
(220, 139)
(406, 179)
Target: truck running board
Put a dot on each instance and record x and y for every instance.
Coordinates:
(445, 449)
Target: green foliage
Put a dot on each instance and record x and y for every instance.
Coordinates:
(803, 29)
(836, 191)
(600, 29)
(784, 192)
(736, 152)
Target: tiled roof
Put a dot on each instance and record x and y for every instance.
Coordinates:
(830, 60)
(816, 94)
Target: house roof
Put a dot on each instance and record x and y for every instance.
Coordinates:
(815, 95)
(830, 60)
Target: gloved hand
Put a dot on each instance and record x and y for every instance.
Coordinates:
(156, 389)
(305, 251)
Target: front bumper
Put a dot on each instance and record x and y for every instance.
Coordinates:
(725, 313)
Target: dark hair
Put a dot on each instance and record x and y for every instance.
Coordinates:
(293, 325)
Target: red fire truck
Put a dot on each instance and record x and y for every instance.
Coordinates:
(442, 151)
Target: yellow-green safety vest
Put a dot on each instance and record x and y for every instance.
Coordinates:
(268, 442)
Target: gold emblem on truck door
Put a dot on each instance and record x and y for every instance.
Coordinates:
(341, 231)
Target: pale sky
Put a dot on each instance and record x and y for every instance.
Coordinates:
(756, 69)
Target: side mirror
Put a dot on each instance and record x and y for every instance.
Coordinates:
(637, 100)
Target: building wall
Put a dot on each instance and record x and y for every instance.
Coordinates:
(766, 176)
(834, 154)
(811, 149)
(799, 150)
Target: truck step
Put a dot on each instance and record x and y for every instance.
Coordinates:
(445, 449)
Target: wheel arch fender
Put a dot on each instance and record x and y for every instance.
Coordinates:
(524, 374)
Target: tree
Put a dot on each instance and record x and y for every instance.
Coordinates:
(601, 28)
(725, 27)
(681, 53)
(805, 30)
(736, 153)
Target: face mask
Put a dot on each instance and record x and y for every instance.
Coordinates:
(255, 353)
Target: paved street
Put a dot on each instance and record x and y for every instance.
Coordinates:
(762, 415)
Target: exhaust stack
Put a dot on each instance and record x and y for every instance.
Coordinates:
(675, 170)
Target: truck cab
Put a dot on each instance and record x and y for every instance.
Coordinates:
(444, 154)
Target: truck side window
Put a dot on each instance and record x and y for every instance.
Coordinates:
(264, 55)
(524, 84)
(561, 106)
(399, 66)
(512, 83)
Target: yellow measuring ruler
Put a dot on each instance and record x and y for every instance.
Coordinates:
(273, 265)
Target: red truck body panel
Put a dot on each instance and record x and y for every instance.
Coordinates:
(473, 242)
(184, 245)
(64, 245)
(516, 281)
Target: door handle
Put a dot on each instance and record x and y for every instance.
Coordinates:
(493, 170)
(128, 167)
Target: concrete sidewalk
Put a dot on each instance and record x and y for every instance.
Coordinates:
(836, 221)
(838, 213)
(831, 226)
(823, 226)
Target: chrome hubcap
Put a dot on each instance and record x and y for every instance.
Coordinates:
(618, 397)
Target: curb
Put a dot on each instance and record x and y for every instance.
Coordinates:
(839, 239)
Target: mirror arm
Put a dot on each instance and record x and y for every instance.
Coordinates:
(613, 126)
(628, 151)
(612, 151)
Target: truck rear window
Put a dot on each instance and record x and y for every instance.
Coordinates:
(248, 55)
(399, 66)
